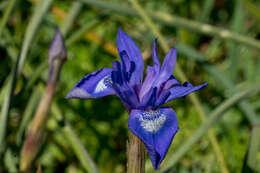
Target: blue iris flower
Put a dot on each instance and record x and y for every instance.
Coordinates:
(154, 125)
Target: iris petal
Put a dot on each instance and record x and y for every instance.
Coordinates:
(125, 43)
(148, 82)
(167, 67)
(172, 81)
(121, 86)
(156, 61)
(183, 90)
(156, 128)
(94, 85)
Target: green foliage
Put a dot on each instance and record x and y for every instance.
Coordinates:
(83, 134)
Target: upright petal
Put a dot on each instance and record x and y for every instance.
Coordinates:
(126, 93)
(183, 90)
(156, 128)
(125, 43)
(168, 65)
(148, 82)
(156, 61)
(94, 85)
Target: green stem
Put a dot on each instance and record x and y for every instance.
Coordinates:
(194, 99)
(7, 13)
(250, 162)
(6, 106)
(179, 22)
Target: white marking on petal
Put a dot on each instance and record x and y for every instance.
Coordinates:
(103, 84)
(78, 93)
(152, 121)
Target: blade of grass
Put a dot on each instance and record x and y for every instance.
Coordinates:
(233, 48)
(226, 83)
(252, 8)
(74, 141)
(83, 156)
(39, 12)
(81, 32)
(36, 75)
(6, 106)
(250, 163)
(220, 77)
(6, 15)
(194, 99)
(214, 117)
(73, 13)
(207, 8)
(3, 4)
(11, 161)
(179, 22)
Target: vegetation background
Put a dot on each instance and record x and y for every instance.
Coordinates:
(217, 41)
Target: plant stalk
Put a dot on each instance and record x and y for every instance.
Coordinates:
(57, 56)
(36, 132)
(135, 155)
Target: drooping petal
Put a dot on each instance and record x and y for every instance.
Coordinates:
(125, 43)
(156, 128)
(183, 90)
(94, 85)
(164, 91)
(172, 81)
(164, 95)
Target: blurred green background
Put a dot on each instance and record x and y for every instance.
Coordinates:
(225, 53)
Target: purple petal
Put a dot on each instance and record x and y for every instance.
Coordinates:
(148, 82)
(156, 61)
(121, 86)
(94, 85)
(171, 82)
(156, 128)
(164, 95)
(125, 43)
(57, 48)
(167, 67)
(149, 99)
(183, 90)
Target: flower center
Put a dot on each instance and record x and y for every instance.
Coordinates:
(152, 121)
